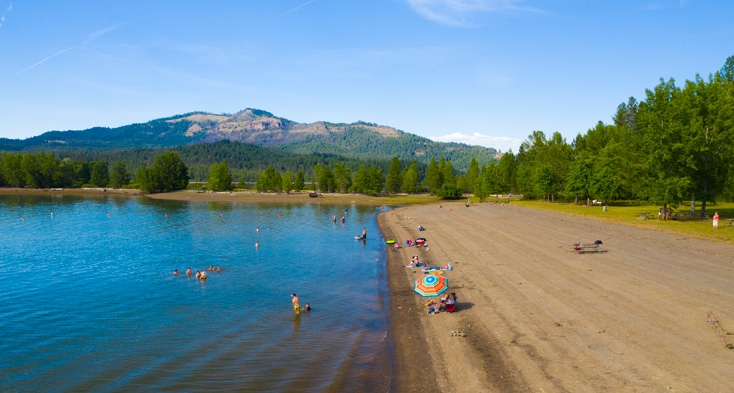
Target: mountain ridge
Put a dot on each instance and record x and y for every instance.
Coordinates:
(361, 140)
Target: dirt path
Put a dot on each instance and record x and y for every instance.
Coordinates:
(539, 317)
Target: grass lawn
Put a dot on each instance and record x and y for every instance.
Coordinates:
(629, 213)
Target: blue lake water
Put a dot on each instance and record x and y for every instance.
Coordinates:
(89, 301)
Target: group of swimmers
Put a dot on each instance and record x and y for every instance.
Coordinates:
(201, 275)
(297, 305)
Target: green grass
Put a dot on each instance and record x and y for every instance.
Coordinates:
(628, 213)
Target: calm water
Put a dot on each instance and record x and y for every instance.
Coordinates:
(89, 302)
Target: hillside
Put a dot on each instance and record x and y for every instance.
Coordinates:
(359, 140)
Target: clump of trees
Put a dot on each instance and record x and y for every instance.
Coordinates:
(168, 173)
(43, 170)
(673, 146)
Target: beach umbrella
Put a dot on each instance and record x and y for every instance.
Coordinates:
(431, 285)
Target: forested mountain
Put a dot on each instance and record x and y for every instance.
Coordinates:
(361, 140)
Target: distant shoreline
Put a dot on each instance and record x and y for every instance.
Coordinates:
(69, 191)
(247, 196)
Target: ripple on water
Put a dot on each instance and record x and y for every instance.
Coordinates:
(93, 305)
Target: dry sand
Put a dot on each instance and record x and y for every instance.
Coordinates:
(541, 318)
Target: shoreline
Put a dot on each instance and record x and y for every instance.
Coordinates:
(234, 196)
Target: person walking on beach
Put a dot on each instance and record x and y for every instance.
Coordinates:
(716, 220)
(296, 305)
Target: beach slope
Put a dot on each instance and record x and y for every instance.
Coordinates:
(539, 317)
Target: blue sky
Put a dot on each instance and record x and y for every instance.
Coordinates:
(485, 72)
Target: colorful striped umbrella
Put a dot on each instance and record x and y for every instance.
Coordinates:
(431, 285)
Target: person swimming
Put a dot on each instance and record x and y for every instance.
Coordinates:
(188, 271)
(175, 272)
(219, 269)
(202, 276)
(307, 308)
(211, 268)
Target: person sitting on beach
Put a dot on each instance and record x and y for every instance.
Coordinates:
(188, 271)
(433, 306)
(451, 303)
(420, 228)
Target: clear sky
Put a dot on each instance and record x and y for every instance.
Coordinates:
(485, 72)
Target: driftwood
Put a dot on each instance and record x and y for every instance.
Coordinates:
(719, 331)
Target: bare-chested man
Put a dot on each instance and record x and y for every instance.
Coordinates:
(296, 305)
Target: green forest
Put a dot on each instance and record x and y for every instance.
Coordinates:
(673, 146)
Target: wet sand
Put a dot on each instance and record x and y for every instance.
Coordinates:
(539, 317)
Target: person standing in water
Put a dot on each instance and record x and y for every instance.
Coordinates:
(296, 305)
(364, 233)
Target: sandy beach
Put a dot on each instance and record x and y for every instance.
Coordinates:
(539, 317)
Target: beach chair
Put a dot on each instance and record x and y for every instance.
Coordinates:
(580, 248)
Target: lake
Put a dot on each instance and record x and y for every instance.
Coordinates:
(90, 302)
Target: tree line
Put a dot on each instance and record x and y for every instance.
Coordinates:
(168, 172)
(673, 146)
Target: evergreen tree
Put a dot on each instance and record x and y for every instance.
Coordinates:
(287, 182)
(100, 175)
(411, 179)
(448, 173)
(433, 176)
(299, 184)
(342, 177)
(119, 176)
(170, 171)
(361, 180)
(393, 180)
(220, 179)
(326, 180)
(471, 176)
(374, 180)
